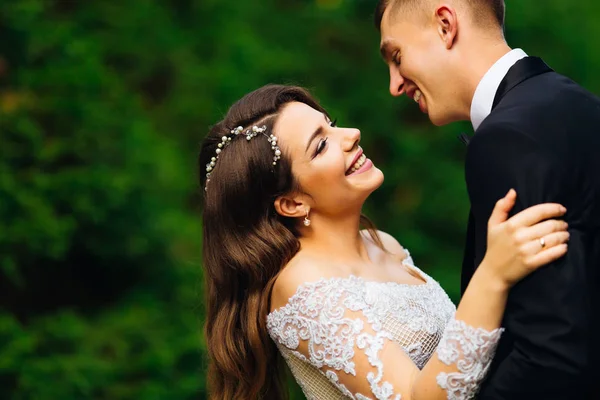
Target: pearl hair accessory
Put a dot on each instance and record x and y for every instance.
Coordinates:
(250, 133)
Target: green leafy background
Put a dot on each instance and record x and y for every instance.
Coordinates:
(102, 106)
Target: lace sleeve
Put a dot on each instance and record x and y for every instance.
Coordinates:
(470, 351)
(332, 326)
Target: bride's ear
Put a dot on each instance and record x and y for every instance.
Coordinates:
(288, 206)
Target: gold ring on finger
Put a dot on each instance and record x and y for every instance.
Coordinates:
(542, 242)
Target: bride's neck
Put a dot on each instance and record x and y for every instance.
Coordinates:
(336, 238)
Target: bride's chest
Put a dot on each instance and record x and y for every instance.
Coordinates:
(425, 308)
(414, 316)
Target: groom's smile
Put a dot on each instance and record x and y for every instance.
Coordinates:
(424, 61)
(406, 52)
(399, 83)
(416, 95)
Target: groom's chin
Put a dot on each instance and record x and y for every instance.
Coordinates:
(437, 121)
(442, 119)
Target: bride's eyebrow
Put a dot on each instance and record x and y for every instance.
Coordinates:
(314, 135)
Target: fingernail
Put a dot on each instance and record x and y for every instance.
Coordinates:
(563, 209)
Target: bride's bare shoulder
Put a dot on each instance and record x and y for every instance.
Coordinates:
(300, 269)
(390, 243)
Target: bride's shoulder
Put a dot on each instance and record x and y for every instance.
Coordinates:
(301, 269)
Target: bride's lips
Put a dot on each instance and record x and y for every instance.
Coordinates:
(366, 166)
(356, 157)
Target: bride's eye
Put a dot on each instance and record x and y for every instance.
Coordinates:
(321, 146)
(333, 123)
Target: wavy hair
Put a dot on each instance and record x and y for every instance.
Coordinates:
(246, 243)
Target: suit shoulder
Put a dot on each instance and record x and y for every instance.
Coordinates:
(545, 93)
(496, 131)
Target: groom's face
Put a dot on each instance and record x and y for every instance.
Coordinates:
(418, 63)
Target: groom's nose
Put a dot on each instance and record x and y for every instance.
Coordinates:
(396, 82)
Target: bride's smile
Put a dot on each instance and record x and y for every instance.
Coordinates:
(326, 159)
(360, 164)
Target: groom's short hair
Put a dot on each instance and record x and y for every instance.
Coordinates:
(484, 11)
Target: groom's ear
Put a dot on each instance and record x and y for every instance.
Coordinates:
(447, 24)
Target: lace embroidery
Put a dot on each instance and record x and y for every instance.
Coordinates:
(372, 345)
(316, 314)
(472, 351)
(337, 317)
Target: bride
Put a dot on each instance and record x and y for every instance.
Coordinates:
(290, 276)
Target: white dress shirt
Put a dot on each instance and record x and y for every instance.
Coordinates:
(481, 106)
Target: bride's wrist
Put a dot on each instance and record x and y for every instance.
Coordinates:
(492, 282)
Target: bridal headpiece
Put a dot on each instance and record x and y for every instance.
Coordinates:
(249, 133)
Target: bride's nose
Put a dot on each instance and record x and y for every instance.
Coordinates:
(351, 138)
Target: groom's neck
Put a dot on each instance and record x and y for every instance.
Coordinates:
(479, 57)
(484, 55)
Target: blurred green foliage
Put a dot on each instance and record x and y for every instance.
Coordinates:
(102, 104)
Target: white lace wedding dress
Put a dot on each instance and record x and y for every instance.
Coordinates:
(333, 319)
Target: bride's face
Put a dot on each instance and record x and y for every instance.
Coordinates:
(326, 160)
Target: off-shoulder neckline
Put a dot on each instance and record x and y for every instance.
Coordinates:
(324, 280)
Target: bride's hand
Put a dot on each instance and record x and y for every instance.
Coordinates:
(518, 246)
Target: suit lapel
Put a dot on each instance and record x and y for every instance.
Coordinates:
(523, 69)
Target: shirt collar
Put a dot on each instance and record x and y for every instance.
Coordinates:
(481, 106)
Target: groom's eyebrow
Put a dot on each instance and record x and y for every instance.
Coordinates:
(384, 49)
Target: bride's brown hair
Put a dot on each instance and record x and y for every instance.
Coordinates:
(246, 243)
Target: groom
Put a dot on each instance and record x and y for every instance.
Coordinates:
(535, 131)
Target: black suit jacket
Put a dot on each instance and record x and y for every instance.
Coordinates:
(542, 139)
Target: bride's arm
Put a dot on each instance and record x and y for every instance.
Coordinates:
(332, 328)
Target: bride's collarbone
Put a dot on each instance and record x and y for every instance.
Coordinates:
(389, 267)
(395, 272)
(380, 268)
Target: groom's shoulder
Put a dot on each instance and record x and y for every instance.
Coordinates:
(548, 102)
(544, 93)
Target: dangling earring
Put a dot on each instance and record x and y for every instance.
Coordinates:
(306, 220)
